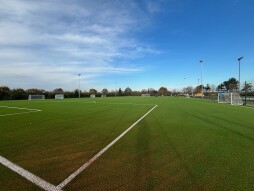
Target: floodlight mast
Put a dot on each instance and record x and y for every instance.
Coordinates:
(184, 88)
(79, 85)
(201, 62)
(239, 61)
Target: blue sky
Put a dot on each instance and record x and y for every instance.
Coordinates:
(115, 44)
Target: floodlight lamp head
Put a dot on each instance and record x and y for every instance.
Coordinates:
(201, 61)
(240, 58)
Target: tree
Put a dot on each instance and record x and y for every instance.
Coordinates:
(76, 93)
(128, 91)
(152, 92)
(92, 91)
(144, 91)
(207, 88)
(35, 91)
(18, 94)
(247, 87)
(58, 91)
(221, 88)
(104, 91)
(120, 92)
(230, 84)
(198, 89)
(5, 92)
(189, 89)
(163, 91)
(213, 88)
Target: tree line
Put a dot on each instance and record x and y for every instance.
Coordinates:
(230, 85)
(7, 93)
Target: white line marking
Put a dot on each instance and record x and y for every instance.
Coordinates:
(17, 113)
(84, 166)
(21, 108)
(28, 175)
(28, 111)
(250, 107)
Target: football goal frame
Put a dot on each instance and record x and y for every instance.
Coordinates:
(231, 98)
(59, 96)
(36, 97)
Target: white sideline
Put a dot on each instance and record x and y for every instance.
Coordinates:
(17, 113)
(21, 108)
(28, 175)
(28, 111)
(84, 166)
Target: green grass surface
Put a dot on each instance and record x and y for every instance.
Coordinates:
(183, 144)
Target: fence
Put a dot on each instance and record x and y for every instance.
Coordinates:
(248, 101)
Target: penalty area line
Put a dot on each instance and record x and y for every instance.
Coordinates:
(28, 175)
(28, 110)
(88, 163)
(20, 108)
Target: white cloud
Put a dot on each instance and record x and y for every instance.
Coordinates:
(47, 42)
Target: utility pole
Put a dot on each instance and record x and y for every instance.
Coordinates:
(239, 61)
(201, 62)
(79, 85)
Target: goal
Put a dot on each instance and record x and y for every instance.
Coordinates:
(224, 98)
(59, 96)
(36, 97)
(92, 96)
(232, 98)
(236, 99)
(145, 95)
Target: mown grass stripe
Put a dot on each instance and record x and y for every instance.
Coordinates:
(84, 166)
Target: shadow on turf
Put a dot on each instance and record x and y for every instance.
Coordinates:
(143, 160)
(218, 124)
(184, 166)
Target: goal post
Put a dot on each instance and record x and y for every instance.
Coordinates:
(231, 98)
(236, 99)
(36, 97)
(59, 96)
(224, 98)
(145, 95)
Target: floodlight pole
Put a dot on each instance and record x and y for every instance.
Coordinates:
(201, 62)
(184, 87)
(115, 88)
(239, 61)
(79, 85)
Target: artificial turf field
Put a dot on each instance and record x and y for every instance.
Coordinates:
(183, 144)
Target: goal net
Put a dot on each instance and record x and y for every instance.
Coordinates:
(236, 99)
(224, 98)
(145, 95)
(36, 97)
(59, 96)
(232, 98)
